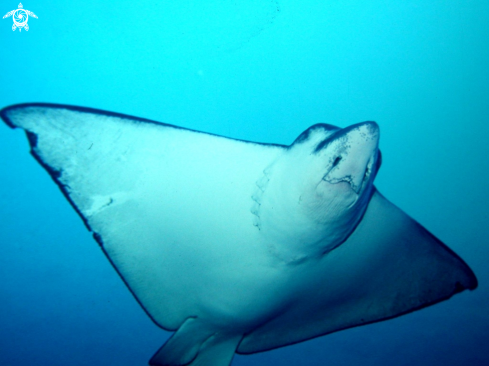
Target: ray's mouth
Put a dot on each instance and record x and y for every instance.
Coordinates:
(355, 184)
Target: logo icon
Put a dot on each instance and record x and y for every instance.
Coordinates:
(20, 17)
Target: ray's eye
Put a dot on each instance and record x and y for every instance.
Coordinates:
(336, 161)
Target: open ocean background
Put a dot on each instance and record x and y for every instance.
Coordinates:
(257, 70)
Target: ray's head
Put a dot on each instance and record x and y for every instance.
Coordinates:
(342, 166)
(323, 184)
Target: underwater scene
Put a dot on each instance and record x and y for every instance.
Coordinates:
(245, 183)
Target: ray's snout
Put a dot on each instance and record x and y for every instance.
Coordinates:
(366, 133)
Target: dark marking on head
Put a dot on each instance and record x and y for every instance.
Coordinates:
(344, 132)
(322, 145)
(307, 133)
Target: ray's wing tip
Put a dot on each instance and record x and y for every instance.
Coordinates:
(69, 107)
(7, 112)
(4, 115)
(466, 279)
(469, 282)
(472, 281)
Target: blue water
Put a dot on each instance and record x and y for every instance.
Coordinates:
(255, 70)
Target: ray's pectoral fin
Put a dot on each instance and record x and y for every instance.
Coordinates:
(196, 344)
(423, 270)
(389, 266)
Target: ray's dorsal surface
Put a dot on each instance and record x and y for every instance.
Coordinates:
(240, 246)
